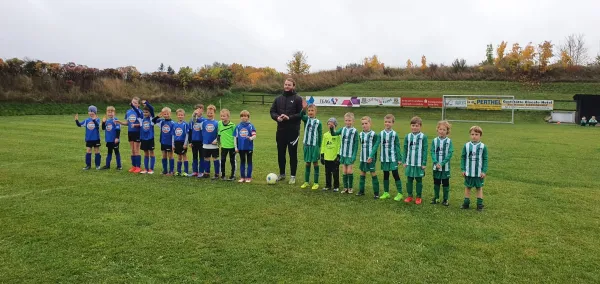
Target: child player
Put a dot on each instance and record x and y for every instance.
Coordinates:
(474, 166)
(147, 138)
(369, 143)
(196, 141)
(210, 129)
(313, 134)
(226, 129)
(180, 142)
(165, 125)
(441, 153)
(583, 121)
(348, 149)
(391, 157)
(415, 149)
(134, 120)
(592, 121)
(330, 147)
(244, 134)
(92, 137)
(112, 133)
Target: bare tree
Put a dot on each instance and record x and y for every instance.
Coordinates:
(574, 46)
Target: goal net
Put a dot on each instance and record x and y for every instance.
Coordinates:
(478, 108)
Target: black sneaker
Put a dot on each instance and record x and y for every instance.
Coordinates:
(86, 168)
(119, 168)
(325, 188)
(231, 178)
(360, 193)
(464, 206)
(376, 197)
(480, 207)
(434, 201)
(215, 177)
(281, 177)
(445, 203)
(105, 168)
(223, 178)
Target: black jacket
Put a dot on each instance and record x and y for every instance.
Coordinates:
(290, 104)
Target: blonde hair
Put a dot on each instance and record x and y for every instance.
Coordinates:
(110, 108)
(213, 107)
(446, 124)
(136, 99)
(416, 120)
(180, 110)
(291, 80)
(245, 113)
(166, 109)
(390, 116)
(367, 118)
(350, 115)
(476, 129)
(225, 111)
(312, 106)
(199, 106)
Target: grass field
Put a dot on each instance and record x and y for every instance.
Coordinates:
(61, 224)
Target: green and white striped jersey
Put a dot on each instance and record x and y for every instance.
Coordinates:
(415, 149)
(349, 141)
(313, 131)
(369, 142)
(441, 153)
(474, 159)
(390, 147)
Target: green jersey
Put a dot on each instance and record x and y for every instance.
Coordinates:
(226, 134)
(330, 146)
(390, 147)
(369, 143)
(441, 153)
(313, 131)
(349, 141)
(474, 159)
(415, 149)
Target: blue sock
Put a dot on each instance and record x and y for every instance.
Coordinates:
(133, 161)
(138, 160)
(152, 162)
(179, 166)
(171, 165)
(249, 171)
(194, 166)
(164, 162)
(217, 164)
(108, 159)
(88, 159)
(146, 161)
(98, 159)
(206, 167)
(118, 156)
(186, 166)
(243, 170)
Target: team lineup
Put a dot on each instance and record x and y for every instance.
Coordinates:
(213, 141)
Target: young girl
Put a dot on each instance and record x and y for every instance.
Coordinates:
(244, 134)
(348, 149)
(441, 153)
(415, 148)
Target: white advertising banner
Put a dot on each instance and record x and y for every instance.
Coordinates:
(379, 101)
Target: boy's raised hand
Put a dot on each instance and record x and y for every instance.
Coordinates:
(104, 119)
(76, 116)
(144, 102)
(304, 104)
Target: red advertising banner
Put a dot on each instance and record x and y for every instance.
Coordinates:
(421, 102)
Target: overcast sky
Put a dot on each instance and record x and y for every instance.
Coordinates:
(114, 33)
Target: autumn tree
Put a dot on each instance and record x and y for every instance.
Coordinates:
(423, 63)
(500, 54)
(544, 55)
(514, 57)
(574, 46)
(298, 65)
(372, 63)
(565, 59)
(409, 64)
(185, 76)
(527, 56)
(489, 54)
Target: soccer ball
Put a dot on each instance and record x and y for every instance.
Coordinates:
(271, 178)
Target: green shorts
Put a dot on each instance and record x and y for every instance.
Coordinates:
(474, 182)
(312, 154)
(414, 171)
(389, 166)
(367, 167)
(347, 161)
(441, 174)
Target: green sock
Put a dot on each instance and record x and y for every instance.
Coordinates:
(467, 201)
(446, 192)
(386, 185)
(307, 173)
(376, 185)
(399, 186)
(350, 180)
(361, 184)
(409, 186)
(316, 174)
(479, 201)
(436, 191)
(345, 180)
(419, 187)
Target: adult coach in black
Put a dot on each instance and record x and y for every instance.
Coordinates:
(286, 111)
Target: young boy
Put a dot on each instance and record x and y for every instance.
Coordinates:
(112, 133)
(166, 140)
(369, 143)
(92, 137)
(210, 129)
(583, 121)
(133, 121)
(330, 158)
(474, 166)
(441, 153)
(391, 157)
(225, 136)
(244, 134)
(180, 142)
(147, 138)
(415, 149)
(348, 149)
(313, 134)
(593, 121)
(196, 141)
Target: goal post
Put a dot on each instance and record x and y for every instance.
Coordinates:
(475, 108)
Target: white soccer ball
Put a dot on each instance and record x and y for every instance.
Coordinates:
(271, 178)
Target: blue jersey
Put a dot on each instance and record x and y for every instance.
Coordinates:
(180, 131)
(242, 132)
(133, 116)
(196, 129)
(92, 131)
(210, 129)
(166, 131)
(112, 129)
(147, 131)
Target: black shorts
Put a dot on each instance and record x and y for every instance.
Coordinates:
(112, 145)
(166, 148)
(133, 136)
(147, 145)
(210, 153)
(92, 144)
(179, 148)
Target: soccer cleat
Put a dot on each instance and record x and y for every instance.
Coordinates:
(206, 175)
(434, 201)
(119, 168)
(200, 175)
(231, 178)
(137, 170)
(144, 172)
(132, 169)
(184, 174)
(398, 197)
(376, 197)
(385, 195)
(86, 168)
(479, 207)
(215, 178)
(292, 180)
(304, 185)
(345, 190)
(418, 201)
(248, 179)
(350, 191)
(315, 186)
(105, 168)
(464, 206)
(150, 172)
(360, 193)
(408, 199)
(223, 178)
(280, 177)
(177, 174)
(336, 189)
(445, 203)
(194, 174)
(325, 188)
(242, 180)
(98, 168)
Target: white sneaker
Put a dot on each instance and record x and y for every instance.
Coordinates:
(292, 180)
(144, 172)
(336, 189)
